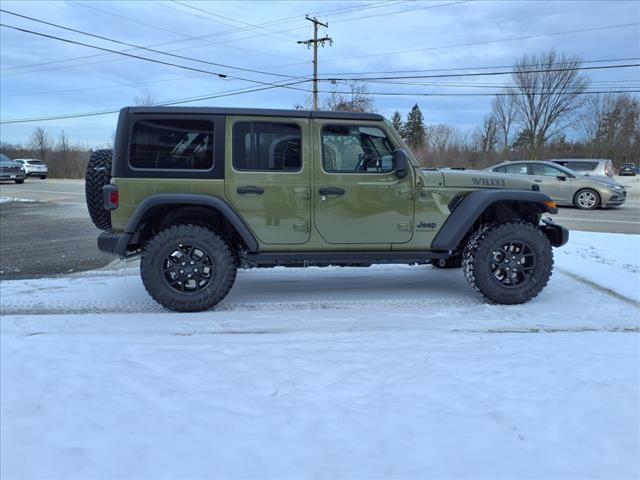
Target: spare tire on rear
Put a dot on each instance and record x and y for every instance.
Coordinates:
(98, 175)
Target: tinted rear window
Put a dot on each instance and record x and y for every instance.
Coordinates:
(172, 145)
(581, 166)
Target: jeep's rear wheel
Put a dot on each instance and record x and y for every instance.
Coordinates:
(98, 175)
(508, 263)
(187, 268)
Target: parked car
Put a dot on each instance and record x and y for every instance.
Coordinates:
(587, 166)
(33, 167)
(567, 187)
(628, 169)
(10, 170)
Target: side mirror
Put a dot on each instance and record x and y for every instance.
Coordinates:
(400, 163)
(562, 177)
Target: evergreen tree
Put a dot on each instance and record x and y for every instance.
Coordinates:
(414, 128)
(398, 124)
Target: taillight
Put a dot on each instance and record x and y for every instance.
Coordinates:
(110, 196)
(608, 170)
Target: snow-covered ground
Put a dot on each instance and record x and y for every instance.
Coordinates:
(384, 372)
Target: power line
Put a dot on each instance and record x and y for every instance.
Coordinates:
(281, 21)
(165, 103)
(151, 60)
(258, 89)
(496, 40)
(133, 20)
(629, 59)
(480, 74)
(385, 14)
(484, 94)
(119, 42)
(269, 31)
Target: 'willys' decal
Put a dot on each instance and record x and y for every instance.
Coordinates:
(489, 182)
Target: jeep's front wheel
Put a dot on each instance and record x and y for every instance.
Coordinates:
(508, 263)
(187, 268)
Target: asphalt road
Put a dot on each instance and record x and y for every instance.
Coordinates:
(54, 234)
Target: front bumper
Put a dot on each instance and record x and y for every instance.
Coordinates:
(614, 199)
(557, 234)
(114, 243)
(12, 176)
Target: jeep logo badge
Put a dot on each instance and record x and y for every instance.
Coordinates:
(426, 226)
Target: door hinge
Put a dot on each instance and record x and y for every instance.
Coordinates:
(405, 226)
(302, 192)
(301, 227)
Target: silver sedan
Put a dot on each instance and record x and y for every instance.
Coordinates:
(565, 186)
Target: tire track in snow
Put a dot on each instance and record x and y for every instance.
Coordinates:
(597, 287)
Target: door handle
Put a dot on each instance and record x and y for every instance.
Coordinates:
(331, 191)
(539, 181)
(250, 190)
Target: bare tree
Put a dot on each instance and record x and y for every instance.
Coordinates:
(63, 146)
(547, 89)
(41, 142)
(505, 113)
(144, 100)
(356, 99)
(486, 137)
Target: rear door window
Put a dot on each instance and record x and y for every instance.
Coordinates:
(518, 169)
(173, 144)
(267, 146)
(544, 170)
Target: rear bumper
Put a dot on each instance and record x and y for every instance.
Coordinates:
(557, 234)
(114, 243)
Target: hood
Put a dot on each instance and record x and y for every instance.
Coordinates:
(478, 179)
(11, 164)
(601, 179)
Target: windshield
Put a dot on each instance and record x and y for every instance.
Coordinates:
(4, 158)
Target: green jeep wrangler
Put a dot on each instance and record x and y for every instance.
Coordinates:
(201, 192)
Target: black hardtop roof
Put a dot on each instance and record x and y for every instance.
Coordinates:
(261, 112)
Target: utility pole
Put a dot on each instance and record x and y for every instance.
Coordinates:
(314, 42)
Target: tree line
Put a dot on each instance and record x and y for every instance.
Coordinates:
(63, 158)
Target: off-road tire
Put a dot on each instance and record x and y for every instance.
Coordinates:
(19, 181)
(581, 205)
(447, 263)
(479, 253)
(159, 248)
(98, 175)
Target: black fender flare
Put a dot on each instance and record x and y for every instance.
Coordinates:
(468, 209)
(218, 203)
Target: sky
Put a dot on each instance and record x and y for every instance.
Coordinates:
(254, 44)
